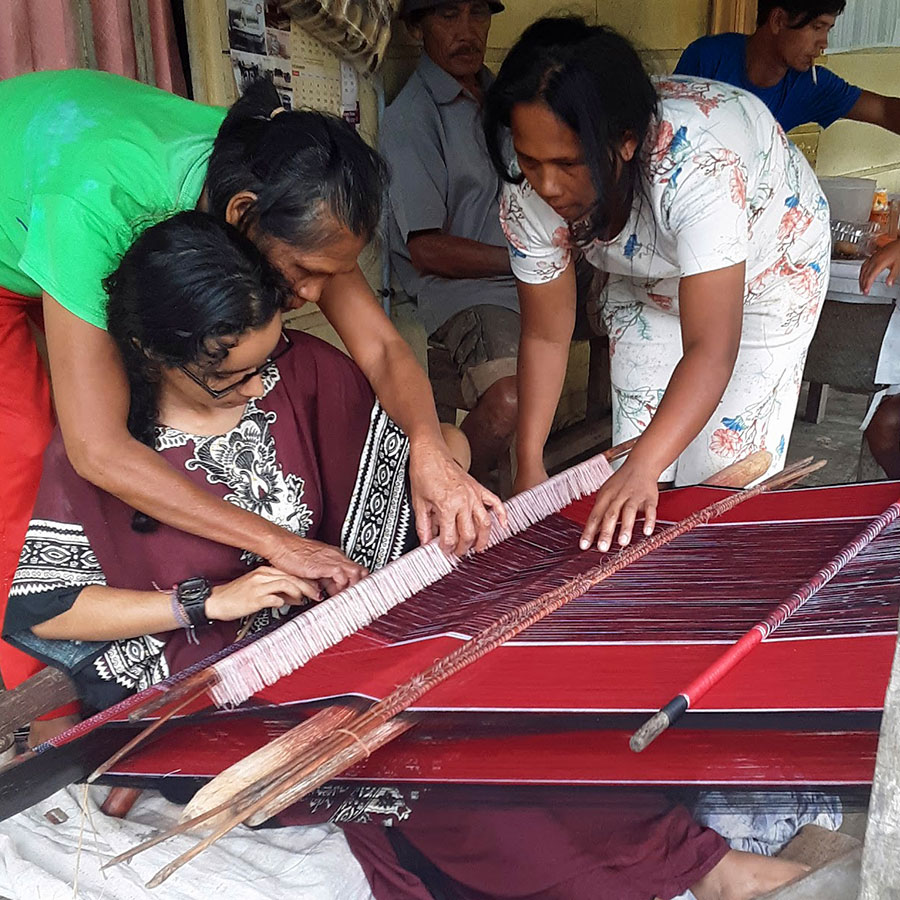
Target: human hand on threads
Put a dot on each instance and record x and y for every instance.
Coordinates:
(314, 561)
(448, 502)
(263, 588)
(625, 494)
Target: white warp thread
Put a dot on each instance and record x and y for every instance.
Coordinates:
(291, 646)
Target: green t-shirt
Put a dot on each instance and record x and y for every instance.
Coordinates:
(89, 160)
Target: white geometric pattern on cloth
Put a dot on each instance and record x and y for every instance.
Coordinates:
(134, 663)
(56, 556)
(379, 515)
(360, 805)
(245, 459)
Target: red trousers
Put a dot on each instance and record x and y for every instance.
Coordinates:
(26, 422)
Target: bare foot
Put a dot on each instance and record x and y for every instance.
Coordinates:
(43, 729)
(742, 876)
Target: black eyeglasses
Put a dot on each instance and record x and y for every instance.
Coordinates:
(218, 394)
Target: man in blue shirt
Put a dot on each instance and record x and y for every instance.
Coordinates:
(777, 64)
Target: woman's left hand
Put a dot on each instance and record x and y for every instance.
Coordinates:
(628, 492)
(448, 502)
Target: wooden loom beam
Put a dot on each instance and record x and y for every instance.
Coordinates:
(42, 693)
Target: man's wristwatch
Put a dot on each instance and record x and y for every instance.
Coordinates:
(192, 594)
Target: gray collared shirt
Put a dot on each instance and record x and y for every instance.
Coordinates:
(442, 178)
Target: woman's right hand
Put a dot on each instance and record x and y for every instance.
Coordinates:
(886, 258)
(314, 561)
(263, 588)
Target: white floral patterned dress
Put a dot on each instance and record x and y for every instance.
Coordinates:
(723, 185)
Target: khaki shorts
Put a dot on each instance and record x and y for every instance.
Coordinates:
(484, 344)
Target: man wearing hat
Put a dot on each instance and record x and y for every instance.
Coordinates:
(447, 249)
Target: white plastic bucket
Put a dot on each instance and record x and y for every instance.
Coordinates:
(850, 199)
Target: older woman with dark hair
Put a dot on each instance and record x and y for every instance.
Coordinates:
(714, 234)
(93, 158)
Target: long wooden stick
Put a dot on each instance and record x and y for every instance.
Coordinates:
(369, 727)
(285, 749)
(880, 874)
(741, 473)
(252, 798)
(380, 736)
(192, 688)
(762, 630)
(186, 700)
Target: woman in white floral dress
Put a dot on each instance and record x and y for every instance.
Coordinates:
(715, 236)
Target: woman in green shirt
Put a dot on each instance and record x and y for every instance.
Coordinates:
(91, 160)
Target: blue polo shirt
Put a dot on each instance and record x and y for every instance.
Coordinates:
(794, 100)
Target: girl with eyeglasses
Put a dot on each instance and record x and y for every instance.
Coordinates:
(270, 424)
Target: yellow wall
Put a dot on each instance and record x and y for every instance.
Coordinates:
(661, 28)
(851, 148)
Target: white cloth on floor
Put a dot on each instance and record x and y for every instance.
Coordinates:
(764, 822)
(62, 862)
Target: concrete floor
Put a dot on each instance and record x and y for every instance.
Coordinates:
(836, 439)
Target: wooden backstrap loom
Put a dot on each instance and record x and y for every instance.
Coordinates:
(555, 636)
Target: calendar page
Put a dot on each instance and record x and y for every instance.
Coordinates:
(263, 41)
